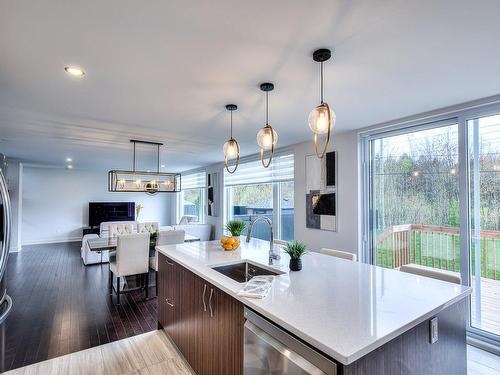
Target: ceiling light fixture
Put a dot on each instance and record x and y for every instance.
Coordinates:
(231, 147)
(141, 181)
(267, 136)
(322, 118)
(70, 166)
(69, 160)
(74, 71)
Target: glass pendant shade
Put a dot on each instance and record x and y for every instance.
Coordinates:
(231, 149)
(267, 137)
(322, 119)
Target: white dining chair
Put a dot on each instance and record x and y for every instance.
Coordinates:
(149, 227)
(280, 242)
(433, 273)
(165, 237)
(338, 254)
(132, 258)
(119, 229)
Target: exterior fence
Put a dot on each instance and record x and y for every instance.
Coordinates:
(435, 246)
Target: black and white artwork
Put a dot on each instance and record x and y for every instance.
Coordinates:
(321, 192)
(212, 194)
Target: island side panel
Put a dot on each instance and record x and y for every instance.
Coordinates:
(205, 323)
(412, 353)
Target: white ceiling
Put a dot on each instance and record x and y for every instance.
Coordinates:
(163, 70)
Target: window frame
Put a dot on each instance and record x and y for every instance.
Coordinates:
(461, 114)
(180, 205)
(227, 196)
(276, 191)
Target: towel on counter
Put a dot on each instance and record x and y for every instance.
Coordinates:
(257, 287)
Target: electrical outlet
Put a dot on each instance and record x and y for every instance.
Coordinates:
(433, 330)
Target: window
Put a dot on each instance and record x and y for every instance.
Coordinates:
(431, 194)
(191, 199)
(257, 191)
(414, 197)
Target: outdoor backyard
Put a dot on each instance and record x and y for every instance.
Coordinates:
(416, 208)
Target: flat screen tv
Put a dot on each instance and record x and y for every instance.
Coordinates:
(110, 211)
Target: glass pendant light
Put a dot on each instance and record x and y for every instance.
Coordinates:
(322, 118)
(231, 147)
(267, 137)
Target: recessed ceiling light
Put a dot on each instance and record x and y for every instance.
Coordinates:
(163, 165)
(74, 71)
(69, 160)
(70, 167)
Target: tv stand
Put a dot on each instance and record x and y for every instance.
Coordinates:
(90, 230)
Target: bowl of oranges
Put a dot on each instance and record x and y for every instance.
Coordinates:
(232, 242)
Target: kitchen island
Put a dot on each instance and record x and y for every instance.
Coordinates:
(366, 319)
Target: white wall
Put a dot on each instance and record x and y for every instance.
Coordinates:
(217, 222)
(55, 203)
(346, 236)
(15, 184)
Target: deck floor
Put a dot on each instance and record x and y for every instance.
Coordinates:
(490, 306)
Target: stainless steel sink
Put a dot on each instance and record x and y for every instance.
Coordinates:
(244, 271)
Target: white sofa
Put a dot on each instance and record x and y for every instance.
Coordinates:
(93, 257)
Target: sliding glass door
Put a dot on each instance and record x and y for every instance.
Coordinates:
(432, 198)
(414, 198)
(484, 201)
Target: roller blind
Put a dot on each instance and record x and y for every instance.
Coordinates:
(193, 180)
(252, 172)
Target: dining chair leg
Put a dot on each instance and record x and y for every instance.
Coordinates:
(110, 281)
(117, 290)
(147, 284)
(156, 283)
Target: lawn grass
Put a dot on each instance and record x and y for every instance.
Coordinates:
(438, 251)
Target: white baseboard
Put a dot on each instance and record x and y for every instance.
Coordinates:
(59, 240)
(14, 249)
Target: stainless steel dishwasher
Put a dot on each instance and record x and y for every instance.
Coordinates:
(270, 350)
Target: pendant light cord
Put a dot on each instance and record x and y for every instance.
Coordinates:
(267, 107)
(321, 80)
(158, 159)
(134, 156)
(231, 112)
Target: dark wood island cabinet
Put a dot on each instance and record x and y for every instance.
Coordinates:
(208, 327)
(204, 322)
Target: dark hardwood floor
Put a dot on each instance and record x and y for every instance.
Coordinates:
(62, 306)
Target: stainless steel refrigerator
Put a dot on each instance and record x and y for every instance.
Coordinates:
(5, 223)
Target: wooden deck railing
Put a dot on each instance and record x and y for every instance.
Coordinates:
(435, 246)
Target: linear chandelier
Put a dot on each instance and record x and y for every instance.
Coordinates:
(144, 181)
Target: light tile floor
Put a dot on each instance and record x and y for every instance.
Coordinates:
(152, 353)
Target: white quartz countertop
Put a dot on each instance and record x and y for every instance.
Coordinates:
(345, 309)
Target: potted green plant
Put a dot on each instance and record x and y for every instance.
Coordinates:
(138, 209)
(153, 237)
(295, 250)
(235, 227)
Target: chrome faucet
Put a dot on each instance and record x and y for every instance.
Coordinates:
(272, 253)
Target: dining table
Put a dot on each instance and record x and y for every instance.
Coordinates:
(100, 244)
